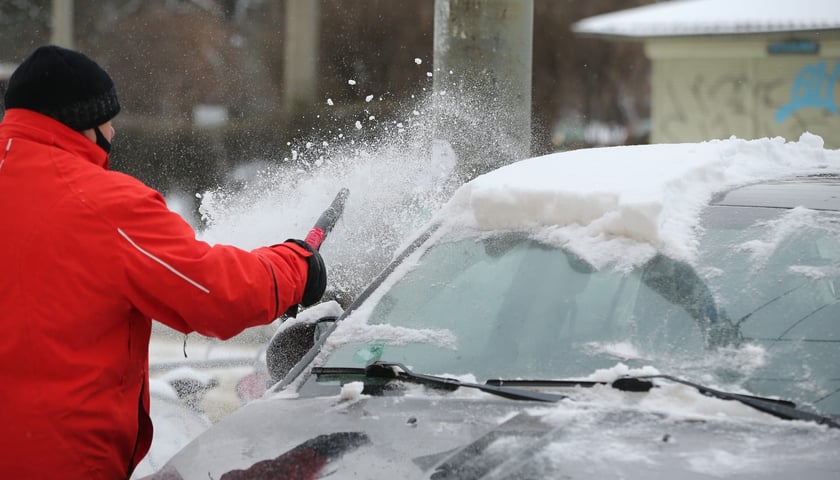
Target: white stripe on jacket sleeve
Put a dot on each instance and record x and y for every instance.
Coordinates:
(168, 267)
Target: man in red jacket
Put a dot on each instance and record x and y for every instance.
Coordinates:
(88, 257)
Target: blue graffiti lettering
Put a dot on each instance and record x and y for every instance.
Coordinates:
(813, 87)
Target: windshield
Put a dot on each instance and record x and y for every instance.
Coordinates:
(759, 310)
(776, 273)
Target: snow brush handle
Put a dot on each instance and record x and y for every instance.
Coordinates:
(327, 220)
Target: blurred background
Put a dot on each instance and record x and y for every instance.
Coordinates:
(205, 84)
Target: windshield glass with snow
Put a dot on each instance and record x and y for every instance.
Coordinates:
(757, 311)
(776, 275)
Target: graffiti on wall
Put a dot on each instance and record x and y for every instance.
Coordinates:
(813, 87)
(703, 105)
(778, 96)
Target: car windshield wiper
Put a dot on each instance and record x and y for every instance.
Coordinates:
(783, 409)
(398, 371)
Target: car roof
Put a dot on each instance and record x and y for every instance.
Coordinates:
(817, 192)
(649, 195)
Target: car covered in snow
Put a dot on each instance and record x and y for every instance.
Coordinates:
(656, 311)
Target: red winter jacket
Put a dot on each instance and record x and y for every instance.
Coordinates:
(87, 258)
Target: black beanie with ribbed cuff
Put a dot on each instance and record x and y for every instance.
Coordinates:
(65, 85)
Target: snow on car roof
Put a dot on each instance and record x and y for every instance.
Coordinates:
(647, 194)
(714, 17)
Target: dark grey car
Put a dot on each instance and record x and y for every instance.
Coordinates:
(507, 353)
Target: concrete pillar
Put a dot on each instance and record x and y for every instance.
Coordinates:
(62, 23)
(300, 85)
(482, 81)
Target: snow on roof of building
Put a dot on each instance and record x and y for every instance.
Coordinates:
(715, 17)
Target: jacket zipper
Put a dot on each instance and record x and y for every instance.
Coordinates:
(131, 461)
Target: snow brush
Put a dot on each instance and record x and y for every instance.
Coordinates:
(319, 232)
(322, 228)
(327, 220)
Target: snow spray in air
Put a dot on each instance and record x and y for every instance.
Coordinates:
(398, 173)
(397, 185)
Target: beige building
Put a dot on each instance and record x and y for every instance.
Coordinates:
(749, 68)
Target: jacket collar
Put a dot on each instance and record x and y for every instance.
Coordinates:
(23, 123)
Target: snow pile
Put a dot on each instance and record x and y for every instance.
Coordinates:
(674, 400)
(354, 329)
(351, 391)
(312, 314)
(647, 194)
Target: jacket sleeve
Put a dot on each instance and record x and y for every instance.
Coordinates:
(189, 285)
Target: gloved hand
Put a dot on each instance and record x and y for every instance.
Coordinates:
(316, 277)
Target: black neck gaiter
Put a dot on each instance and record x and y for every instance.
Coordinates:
(101, 141)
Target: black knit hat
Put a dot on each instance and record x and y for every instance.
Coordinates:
(65, 85)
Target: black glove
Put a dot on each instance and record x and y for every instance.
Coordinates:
(316, 278)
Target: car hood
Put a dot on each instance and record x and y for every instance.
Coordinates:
(484, 438)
